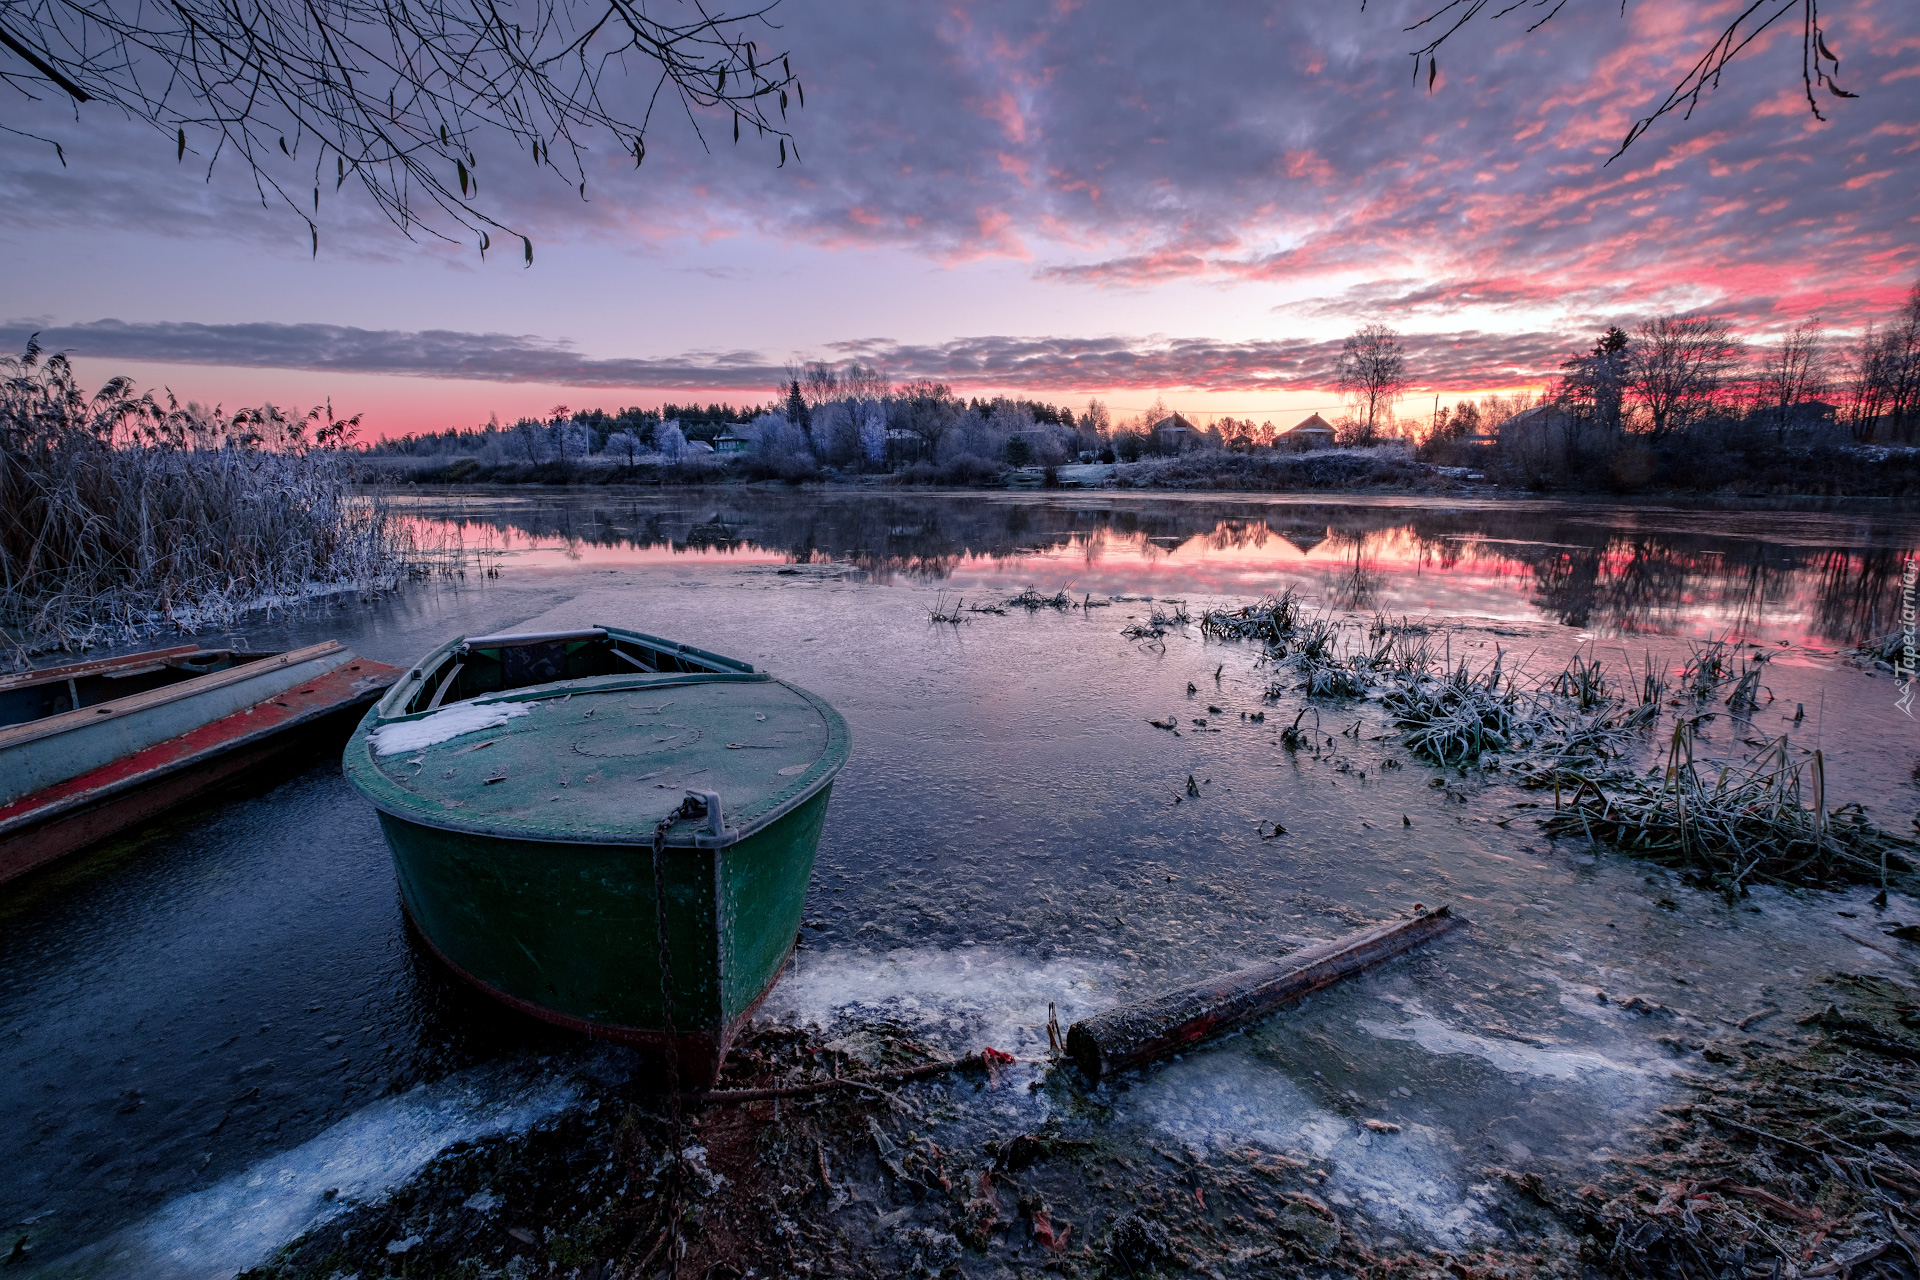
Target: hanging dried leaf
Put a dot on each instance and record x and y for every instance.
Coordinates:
(180, 144)
(528, 246)
(783, 153)
(1433, 72)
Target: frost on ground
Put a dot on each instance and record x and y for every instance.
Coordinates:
(1408, 1178)
(240, 1220)
(960, 999)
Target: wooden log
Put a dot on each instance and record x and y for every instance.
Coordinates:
(1148, 1029)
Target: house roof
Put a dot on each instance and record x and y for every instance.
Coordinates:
(1174, 423)
(1310, 424)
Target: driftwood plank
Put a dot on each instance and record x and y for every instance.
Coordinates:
(1132, 1034)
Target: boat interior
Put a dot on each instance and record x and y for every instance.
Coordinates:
(498, 664)
(35, 695)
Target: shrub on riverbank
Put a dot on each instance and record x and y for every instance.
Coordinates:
(121, 515)
(1330, 470)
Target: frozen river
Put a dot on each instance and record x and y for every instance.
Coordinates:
(206, 1030)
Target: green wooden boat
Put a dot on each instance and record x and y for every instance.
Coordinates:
(604, 829)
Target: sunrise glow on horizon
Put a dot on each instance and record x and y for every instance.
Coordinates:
(1051, 202)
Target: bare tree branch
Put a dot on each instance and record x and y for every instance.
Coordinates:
(400, 96)
(1818, 64)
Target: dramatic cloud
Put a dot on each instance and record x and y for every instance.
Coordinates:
(1130, 149)
(1444, 362)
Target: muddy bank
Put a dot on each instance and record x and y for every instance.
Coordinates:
(1791, 1152)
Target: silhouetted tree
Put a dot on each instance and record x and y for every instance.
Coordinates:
(1372, 373)
(1790, 374)
(1677, 368)
(796, 405)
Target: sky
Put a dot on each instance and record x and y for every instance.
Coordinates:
(1127, 200)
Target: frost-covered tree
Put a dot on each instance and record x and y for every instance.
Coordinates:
(836, 436)
(625, 446)
(1097, 420)
(575, 441)
(671, 439)
(782, 446)
(873, 433)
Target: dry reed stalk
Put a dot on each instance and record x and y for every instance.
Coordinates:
(121, 516)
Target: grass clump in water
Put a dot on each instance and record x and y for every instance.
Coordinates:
(1032, 601)
(121, 516)
(1764, 820)
(1157, 624)
(1271, 621)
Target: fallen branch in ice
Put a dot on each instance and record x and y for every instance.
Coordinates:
(985, 1060)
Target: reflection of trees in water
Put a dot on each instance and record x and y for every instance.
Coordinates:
(1583, 572)
(1567, 585)
(1357, 584)
(1859, 596)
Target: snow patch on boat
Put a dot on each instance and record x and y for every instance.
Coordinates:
(442, 726)
(960, 998)
(1228, 1099)
(238, 1222)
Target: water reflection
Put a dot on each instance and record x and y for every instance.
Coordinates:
(1807, 576)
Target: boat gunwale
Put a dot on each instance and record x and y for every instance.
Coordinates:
(81, 718)
(582, 685)
(403, 690)
(98, 667)
(24, 814)
(390, 798)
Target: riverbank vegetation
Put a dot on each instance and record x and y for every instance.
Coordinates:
(1676, 405)
(122, 514)
(1579, 732)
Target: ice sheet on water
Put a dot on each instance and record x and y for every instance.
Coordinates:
(959, 998)
(239, 1221)
(1227, 1099)
(443, 725)
(1517, 1058)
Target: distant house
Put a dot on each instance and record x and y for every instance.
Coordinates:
(731, 441)
(1313, 432)
(1173, 434)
